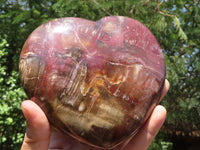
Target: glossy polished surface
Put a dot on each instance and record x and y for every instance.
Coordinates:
(97, 81)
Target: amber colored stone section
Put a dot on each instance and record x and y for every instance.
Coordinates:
(96, 81)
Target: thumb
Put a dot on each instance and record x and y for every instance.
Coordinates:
(37, 134)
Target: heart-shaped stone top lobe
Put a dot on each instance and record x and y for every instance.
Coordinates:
(96, 81)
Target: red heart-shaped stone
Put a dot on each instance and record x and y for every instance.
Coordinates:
(96, 81)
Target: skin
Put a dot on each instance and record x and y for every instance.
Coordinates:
(41, 136)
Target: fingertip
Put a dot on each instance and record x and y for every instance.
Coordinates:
(31, 110)
(25, 104)
(156, 120)
(165, 88)
(28, 104)
(26, 109)
(160, 112)
(167, 84)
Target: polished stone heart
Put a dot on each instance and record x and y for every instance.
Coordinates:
(96, 81)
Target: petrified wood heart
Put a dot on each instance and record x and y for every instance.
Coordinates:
(96, 81)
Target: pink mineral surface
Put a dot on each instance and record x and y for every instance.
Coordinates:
(96, 81)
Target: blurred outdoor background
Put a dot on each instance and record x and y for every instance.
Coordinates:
(176, 25)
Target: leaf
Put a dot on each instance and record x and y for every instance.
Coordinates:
(161, 24)
(22, 16)
(181, 33)
(176, 22)
(36, 12)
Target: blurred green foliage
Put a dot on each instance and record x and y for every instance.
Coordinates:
(176, 25)
(12, 123)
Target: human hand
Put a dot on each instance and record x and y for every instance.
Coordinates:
(40, 136)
